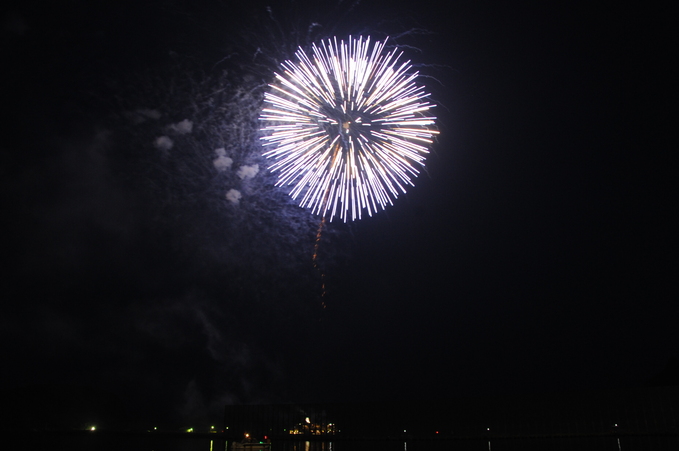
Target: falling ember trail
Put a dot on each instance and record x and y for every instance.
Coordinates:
(315, 256)
(315, 259)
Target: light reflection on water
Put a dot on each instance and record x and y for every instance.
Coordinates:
(596, 443)
(626, 443)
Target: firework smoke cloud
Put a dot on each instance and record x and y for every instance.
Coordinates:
(347, 128)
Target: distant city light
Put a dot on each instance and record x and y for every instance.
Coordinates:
(93, 428)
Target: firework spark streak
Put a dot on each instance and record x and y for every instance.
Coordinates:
(347, 127)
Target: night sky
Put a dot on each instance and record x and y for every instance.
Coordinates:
(536, 253)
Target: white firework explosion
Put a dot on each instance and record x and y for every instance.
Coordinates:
(347, 128)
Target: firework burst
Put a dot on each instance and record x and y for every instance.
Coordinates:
(347, 127)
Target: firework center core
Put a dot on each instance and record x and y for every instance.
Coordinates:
(347, 127)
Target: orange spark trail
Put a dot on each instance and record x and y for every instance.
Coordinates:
(315, 259)
(318, 240)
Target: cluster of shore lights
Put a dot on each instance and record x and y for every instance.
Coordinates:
(309, 428)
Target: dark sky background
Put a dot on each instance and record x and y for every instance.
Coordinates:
(536, 254)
